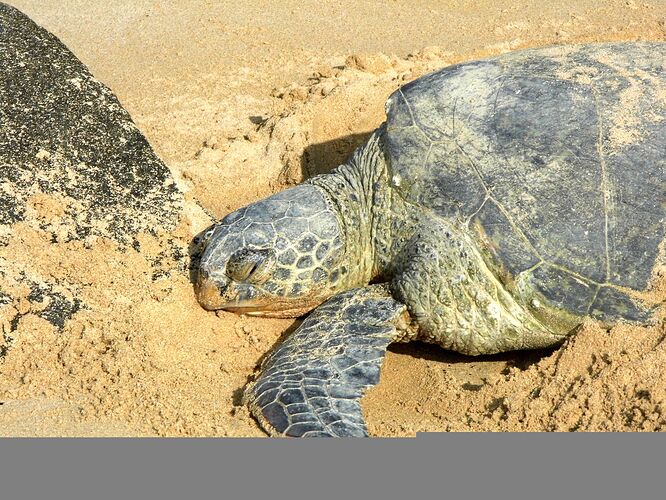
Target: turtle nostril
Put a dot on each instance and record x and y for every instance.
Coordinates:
(203, 274)
(210, 291)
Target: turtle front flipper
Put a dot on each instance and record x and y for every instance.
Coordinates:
(312, 383)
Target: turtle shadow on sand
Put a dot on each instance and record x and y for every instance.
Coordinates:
(322, 157)
(519, 359)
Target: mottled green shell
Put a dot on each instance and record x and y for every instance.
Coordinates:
(556, 157)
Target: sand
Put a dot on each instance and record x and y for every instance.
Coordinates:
(242, 99)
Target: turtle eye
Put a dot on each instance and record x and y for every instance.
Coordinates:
(252, 266)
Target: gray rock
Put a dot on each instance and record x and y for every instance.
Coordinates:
(65, 136)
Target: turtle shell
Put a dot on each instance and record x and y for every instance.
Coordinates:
(556, 157)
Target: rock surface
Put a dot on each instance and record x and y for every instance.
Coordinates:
(73, 168)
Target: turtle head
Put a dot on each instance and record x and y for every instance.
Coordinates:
(281, 256)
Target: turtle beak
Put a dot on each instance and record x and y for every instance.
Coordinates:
(210, 290)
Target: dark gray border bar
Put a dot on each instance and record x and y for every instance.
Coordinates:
(437, 466)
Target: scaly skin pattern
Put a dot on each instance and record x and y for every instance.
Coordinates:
(456, 299)
(435, 266)
(280, 256)
(357, 191)
(310, 386)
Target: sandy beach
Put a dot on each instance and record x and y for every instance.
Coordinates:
(241, 100)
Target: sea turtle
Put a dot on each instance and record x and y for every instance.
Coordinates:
(501, 203)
